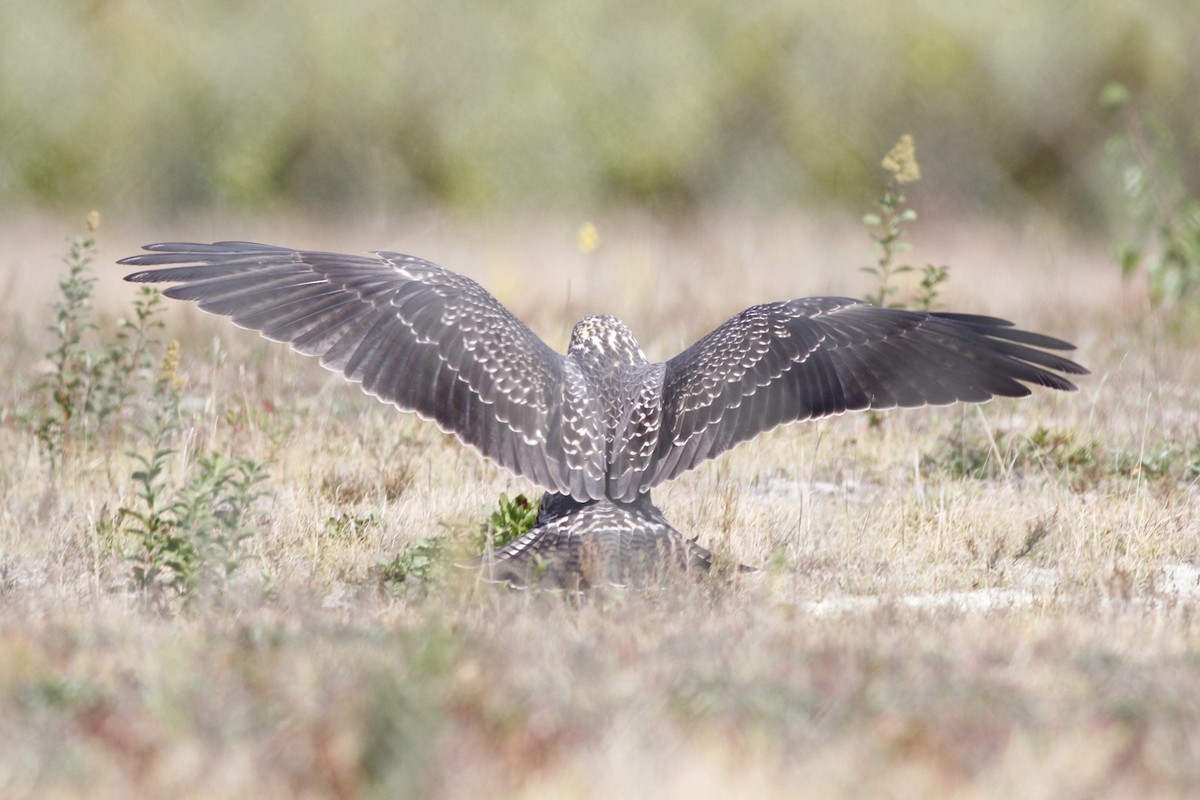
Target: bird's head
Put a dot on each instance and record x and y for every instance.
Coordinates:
(604, 339)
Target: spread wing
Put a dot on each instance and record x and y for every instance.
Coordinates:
(413, 334)
(809, 358)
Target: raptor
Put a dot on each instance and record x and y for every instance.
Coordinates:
(600, 426)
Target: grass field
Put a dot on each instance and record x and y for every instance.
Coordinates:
(990, 601)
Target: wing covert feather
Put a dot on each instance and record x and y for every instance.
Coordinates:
(809, 358)
(411, 333)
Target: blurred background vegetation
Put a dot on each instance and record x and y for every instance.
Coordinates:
(162, 107)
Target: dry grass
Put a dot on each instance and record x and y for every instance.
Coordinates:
(916, 631)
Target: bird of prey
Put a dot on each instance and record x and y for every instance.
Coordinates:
(599, 427)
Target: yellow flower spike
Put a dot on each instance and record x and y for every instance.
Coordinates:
(168, 371)
(589, 237)
(901, 161)
(93, 221)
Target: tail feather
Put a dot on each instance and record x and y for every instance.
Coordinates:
(598, 543)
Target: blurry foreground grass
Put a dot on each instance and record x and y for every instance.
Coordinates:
(709, 694)
(955, 602)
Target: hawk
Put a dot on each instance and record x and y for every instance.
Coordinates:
(599, 426)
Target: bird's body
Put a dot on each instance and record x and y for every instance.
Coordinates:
(599, 426)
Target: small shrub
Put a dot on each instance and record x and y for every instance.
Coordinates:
(88, 386)
(424, 564)
(214, 506)
(1084, 464)
(129, 362)
(69, 381)
(960, 456)
(416, 569)
(510, 520)
(1157, 463)
(351, 527)
(1061, 449)
(191, 532)
(1165, 244)
(932, 278)
(187, 531)
(887, 231)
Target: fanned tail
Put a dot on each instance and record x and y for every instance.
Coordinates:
(577, 546)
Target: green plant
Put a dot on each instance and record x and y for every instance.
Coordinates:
(192, 531)
(510, 520)
(422, 564)
(129, 362)
(164, 557)
(964, 456)
(418, 567)
(1081, 463)
(351, 527)
(1166, 238)
(186, 531)
(932, 278)
(1162, 462)
(887, 231)
(87, 387)
(214, 507)
(67, 386)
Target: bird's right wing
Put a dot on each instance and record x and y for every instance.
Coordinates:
(809, 358)
(414, 335)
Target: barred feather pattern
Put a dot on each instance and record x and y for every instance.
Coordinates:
(600, 425)
(577, 546)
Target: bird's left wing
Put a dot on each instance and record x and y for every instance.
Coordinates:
(809, 358)
(412, 333)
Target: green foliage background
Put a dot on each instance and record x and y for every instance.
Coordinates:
(502, 106)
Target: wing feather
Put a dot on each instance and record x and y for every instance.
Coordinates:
(810, 358)
(411, 333)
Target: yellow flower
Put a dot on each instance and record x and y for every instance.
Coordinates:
(168, 372)
(589, 237)
(901, 161)
(93, 221)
